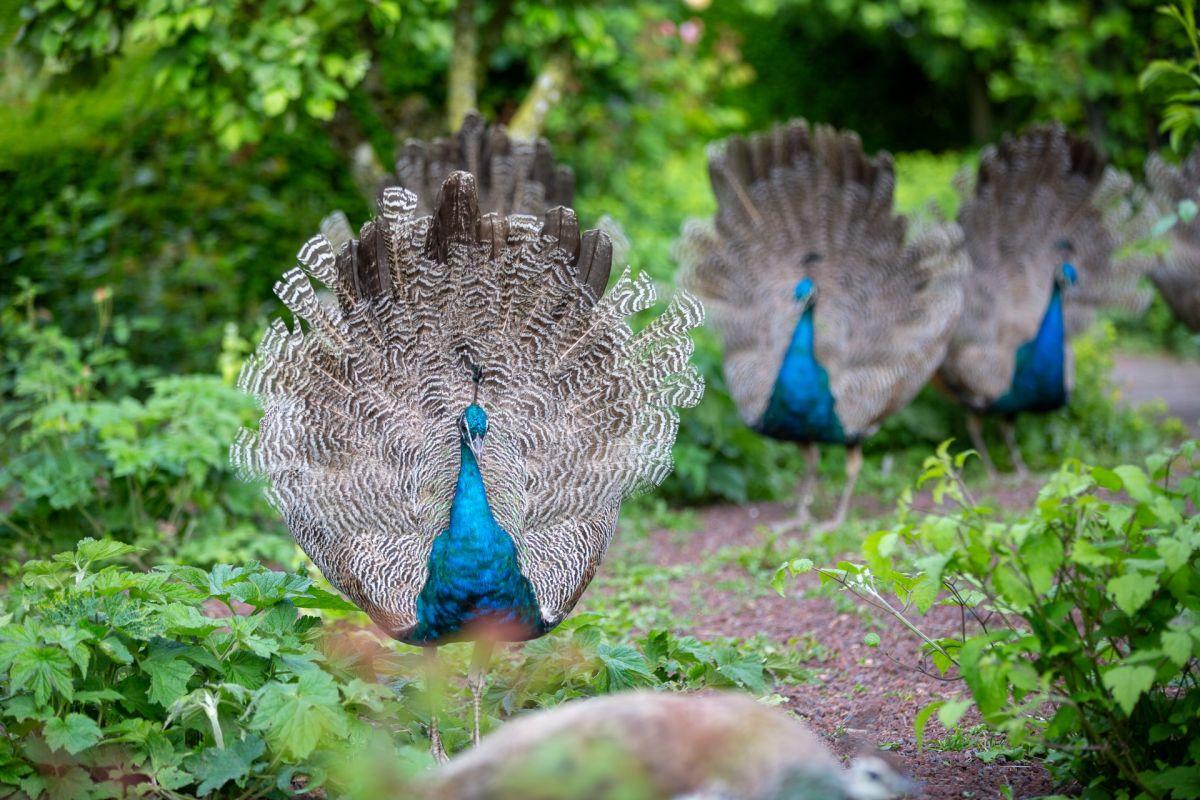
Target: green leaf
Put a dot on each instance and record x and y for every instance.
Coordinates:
(1175, 554)
(72, 733)
(42, 670)
(90, 549)
(1132, 590)
(295, 716)
(922, 720)
(952, 711)
(624, 667)
(216, 767)
(169, 678)
(1127, 684)
(871, 639)
(1178, 646)
(1137, 483)
(1182, 782)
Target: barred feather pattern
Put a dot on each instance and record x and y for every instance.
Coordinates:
(1176, 273)
(514, 176)
(358, 439)
(801, 202)
(1036, 201)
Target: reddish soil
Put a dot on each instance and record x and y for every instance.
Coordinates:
(860, 694)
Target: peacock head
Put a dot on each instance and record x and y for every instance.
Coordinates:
(806, 293)
(1067, 274)
(873, 777)
(473, 426)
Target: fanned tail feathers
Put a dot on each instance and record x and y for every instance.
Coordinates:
(513, 177)
(800, 202)
(1177, 272)
(1037, 200)
(359, 441)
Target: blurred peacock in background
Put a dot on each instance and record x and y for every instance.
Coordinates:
(1176, 191)
(451, 433)
(831, 321)
(1042, 222)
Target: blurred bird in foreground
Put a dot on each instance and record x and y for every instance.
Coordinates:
(451, 432)
(831, 321)
(652, 746)
(1041, 224)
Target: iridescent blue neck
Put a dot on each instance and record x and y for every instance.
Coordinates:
(802, 406)
(1039, 376)
(474, 578)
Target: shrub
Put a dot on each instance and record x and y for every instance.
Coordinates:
(1079, 620)
(116, 684)
(95, 445)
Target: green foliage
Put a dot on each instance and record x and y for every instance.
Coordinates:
(96, 446)
(235, 65)
(1177, 81)
(1079, 619)
(180, 682)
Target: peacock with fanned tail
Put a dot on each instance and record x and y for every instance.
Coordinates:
(1042, 222)
(1177, 272)
(450, 434)
(831, 321)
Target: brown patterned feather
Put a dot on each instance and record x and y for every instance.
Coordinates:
(800, 202)
(1177, 273)
(359, 441)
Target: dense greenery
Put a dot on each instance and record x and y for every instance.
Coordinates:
(161, 162)
(1086, 607)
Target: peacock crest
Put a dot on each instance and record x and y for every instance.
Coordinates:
(421, 318)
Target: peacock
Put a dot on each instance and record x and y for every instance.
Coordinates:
(1177, 272)
(450, 432)
(513, 176)
(648, 745)
(830, 320)
(1042, 222)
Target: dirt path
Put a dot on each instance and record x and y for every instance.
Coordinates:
(1144, 378)
(859, 694)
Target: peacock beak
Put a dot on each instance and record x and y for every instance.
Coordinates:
(475, 443)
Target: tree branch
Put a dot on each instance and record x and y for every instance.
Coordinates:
(462, 89)
(547, 88)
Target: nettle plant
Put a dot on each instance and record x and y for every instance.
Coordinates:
(1077, 629)
(182, 682)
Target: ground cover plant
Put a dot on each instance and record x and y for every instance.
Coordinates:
(1079, 637)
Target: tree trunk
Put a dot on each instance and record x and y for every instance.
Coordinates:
(547, 88)
(980, 107)
(461, 94)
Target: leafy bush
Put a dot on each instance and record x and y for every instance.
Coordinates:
(1079, 621)
(181, 682)
(97, 446)
(116, 684)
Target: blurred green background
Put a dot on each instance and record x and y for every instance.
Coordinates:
(161, 162)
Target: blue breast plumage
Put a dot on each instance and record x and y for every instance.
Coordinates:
(1039, 376)
(802, 407)
(475, 580)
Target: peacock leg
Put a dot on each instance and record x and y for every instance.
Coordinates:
(1009, 429)
(812, 460)
(433, 681)
(854, 462)
(477, 680)
(975, 429)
